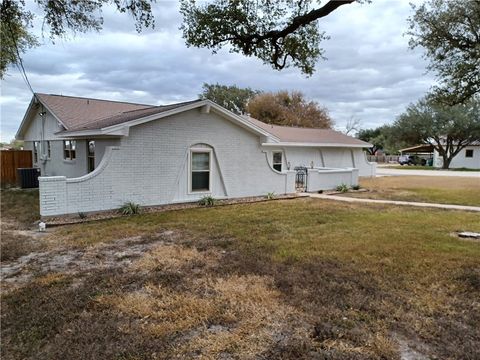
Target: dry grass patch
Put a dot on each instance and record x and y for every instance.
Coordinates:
(436, 189)
(277, 280)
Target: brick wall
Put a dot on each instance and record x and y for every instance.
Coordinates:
(150, 167)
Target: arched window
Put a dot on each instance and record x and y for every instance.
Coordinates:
(200, 169)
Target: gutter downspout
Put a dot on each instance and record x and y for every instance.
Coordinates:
(42, 155)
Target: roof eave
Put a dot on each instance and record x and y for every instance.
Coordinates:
(19, 134)
(308, 144)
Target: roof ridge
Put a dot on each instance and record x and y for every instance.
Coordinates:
(104, 100)
(291, 127)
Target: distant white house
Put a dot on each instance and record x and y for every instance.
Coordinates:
(97, 154)
(469, 157)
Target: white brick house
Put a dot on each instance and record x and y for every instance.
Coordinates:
(96, 154)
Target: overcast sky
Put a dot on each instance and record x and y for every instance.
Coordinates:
(370, 73)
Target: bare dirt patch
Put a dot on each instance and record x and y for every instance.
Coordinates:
(73, 261)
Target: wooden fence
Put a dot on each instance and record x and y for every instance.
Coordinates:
(10, 161)
(383, 158)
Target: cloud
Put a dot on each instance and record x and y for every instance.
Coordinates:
(370, 72)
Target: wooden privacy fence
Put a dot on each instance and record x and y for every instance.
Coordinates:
(383, 158)
(10, 161)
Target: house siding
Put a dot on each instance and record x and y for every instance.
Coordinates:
(460, 160)
(56, 165)
(345, 158)
(149, 167)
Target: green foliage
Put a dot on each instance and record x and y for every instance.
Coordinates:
(231, 97)
(270, 196)
(59, 17)
(342, 188)
(289, 109)
(382, 138)
(130, 208)
(207, 201)
(282, 33)
(14, 144)
(447, 128)
(14, 35)
(374, 137)
(356, 187)
(449, 32)
(82, 215)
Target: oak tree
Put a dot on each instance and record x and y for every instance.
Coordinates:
(449, 33)
(289, 109)
(60, 17)
(231, 97)
(281, 33)
(449, 129)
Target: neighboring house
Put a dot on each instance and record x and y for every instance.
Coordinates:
(97, 154)
(468, 157)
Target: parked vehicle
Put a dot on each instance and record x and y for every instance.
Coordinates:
(411, 160)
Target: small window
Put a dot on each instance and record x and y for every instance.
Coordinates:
(91, 155)
(69, 149)
(277, 161)
(200, 167)
(49, 149)
(469, 153)
(36, 146)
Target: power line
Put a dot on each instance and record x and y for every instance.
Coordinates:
(19, 62)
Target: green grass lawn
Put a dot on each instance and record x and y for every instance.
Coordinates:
(303, 278)
(444, 190)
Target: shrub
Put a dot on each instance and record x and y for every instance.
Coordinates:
(207, 201)
(270, 196)
(130, 208)
(82, 215)
(342, 188)
(356, 187)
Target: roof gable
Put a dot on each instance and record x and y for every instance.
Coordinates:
(73, 111)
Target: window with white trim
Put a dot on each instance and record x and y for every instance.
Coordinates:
(36, 147)
(90, 155)
(69, 149)
(469, 153)
(277, 161)
(200, 170)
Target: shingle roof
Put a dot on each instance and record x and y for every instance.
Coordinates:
(128, 116)
(307, 135)
(76, 111)
(79, 113)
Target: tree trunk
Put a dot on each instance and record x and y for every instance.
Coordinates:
(446, 161)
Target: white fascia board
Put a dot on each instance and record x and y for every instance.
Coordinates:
(295, 144)
(19, 135)
(25, 117)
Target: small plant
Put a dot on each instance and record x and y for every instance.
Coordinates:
(207, 201)
(356, 187)
(270, 196)
(82, 215)
(343, 188)
(130, 208)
